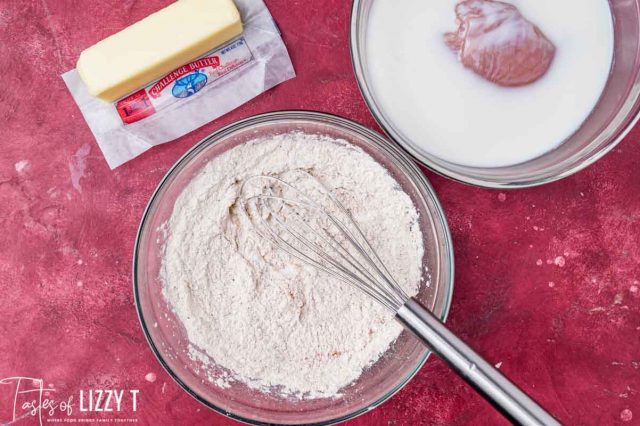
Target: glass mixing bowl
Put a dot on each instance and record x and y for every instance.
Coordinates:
(613, 116)
(168, 339)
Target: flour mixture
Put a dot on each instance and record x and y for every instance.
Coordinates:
(271, 321)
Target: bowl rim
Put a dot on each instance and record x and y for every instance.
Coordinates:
(284, 115)
(366, 92)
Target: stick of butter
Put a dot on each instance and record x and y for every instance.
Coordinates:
(155, 46)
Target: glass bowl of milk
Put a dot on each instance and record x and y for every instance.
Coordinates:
(467, 128)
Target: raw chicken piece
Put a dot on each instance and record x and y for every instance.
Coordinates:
(496, 42)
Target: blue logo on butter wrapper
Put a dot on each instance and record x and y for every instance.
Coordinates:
(189, 85)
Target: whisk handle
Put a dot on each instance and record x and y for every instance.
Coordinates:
(487, 380)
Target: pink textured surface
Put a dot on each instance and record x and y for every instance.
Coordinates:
(547, 279)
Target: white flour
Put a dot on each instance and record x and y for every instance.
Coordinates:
(271, 321)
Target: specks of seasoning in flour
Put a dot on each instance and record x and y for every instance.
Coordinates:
(252, 313)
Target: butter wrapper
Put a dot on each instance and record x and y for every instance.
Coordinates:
(193, 94)
(194, 77)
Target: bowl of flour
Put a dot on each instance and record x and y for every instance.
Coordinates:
(249, 330)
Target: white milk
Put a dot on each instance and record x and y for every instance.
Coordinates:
(454, 114)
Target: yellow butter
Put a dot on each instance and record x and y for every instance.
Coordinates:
(155, 46)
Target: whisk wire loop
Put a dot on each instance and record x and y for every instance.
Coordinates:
(338, 247)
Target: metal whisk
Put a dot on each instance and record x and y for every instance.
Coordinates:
(308, 222)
